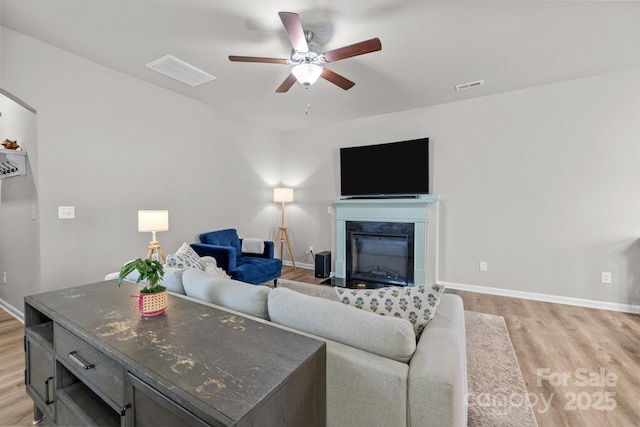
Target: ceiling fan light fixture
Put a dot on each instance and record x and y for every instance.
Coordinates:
(307, 74)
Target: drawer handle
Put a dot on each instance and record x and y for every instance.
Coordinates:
(74, 356)
(46, 384)
(123, 410)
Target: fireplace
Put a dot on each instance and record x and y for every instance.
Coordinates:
(405, 251)
(379, 254)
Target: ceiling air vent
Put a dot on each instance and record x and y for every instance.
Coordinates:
(470, 85)
(177, 69)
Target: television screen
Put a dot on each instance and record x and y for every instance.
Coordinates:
(393, 169)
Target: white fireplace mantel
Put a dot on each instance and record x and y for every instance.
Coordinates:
(409, 210)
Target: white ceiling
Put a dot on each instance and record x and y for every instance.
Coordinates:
(428, 47)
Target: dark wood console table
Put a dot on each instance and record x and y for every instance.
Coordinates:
(92, 359)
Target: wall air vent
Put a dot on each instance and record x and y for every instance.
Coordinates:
(470, 85)
(177, 69)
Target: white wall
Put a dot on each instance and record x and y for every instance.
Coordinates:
(110, 144)
(540, 183)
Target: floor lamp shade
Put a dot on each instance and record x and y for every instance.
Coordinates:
(153, 221)
(283, 195)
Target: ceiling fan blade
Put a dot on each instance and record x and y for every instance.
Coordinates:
(257, 59)
(337, 79)
(356, 49)
(293, 26)
(286, 84)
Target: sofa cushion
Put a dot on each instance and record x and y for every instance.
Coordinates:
(382, 335)
(172, 279)
(228, 293)
(185, 257)
(417, 304)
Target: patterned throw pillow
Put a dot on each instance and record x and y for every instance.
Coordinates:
(186, 257)
(417, 304)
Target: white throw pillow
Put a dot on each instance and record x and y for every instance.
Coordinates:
(211, 266)
(186, 257)
(417, 304)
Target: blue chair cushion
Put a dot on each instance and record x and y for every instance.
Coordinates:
(257, 270)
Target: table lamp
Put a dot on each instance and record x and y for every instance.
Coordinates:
(154, 221)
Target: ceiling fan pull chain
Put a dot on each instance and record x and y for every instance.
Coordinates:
(306, 110)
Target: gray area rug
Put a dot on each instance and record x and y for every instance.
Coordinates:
(497, 392)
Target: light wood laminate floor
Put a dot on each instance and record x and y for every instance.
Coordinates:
(581, 365)
(16, 408)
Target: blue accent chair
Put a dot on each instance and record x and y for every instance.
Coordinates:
(226, 247)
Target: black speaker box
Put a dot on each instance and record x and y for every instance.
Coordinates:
(323, 264)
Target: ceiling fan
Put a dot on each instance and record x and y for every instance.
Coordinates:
(308, 59)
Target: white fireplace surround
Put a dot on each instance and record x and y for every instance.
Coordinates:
(407, 210)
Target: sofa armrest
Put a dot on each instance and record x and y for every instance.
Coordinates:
(268, 250)
(373, 384)
(225, 256)
(438, 369)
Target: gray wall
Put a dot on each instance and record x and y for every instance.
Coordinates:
(540, 183)
(110, 144)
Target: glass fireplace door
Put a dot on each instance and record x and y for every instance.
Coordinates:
(380, 255)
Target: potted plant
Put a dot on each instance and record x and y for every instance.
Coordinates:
(153, 298)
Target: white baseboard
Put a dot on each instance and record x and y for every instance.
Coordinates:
(301, 265)
(12, 310)
(603, 305)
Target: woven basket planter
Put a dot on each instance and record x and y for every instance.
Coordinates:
(153, 304)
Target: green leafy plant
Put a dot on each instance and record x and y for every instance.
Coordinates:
(150, 270)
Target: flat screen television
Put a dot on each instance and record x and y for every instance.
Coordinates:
(385, 170)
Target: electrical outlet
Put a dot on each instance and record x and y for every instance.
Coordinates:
(606, 277)
(4, 277)
(309, 250)
(484, 266)
(66, 212)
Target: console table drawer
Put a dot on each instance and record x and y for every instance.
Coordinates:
(90, 365)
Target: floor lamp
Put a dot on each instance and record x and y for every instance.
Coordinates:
(284, 195)
(154, 221)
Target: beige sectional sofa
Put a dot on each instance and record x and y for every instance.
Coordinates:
(377, 375)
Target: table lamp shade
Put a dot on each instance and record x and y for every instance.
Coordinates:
(153, 220)
(283, 195)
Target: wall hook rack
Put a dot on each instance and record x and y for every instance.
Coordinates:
(12, 163)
